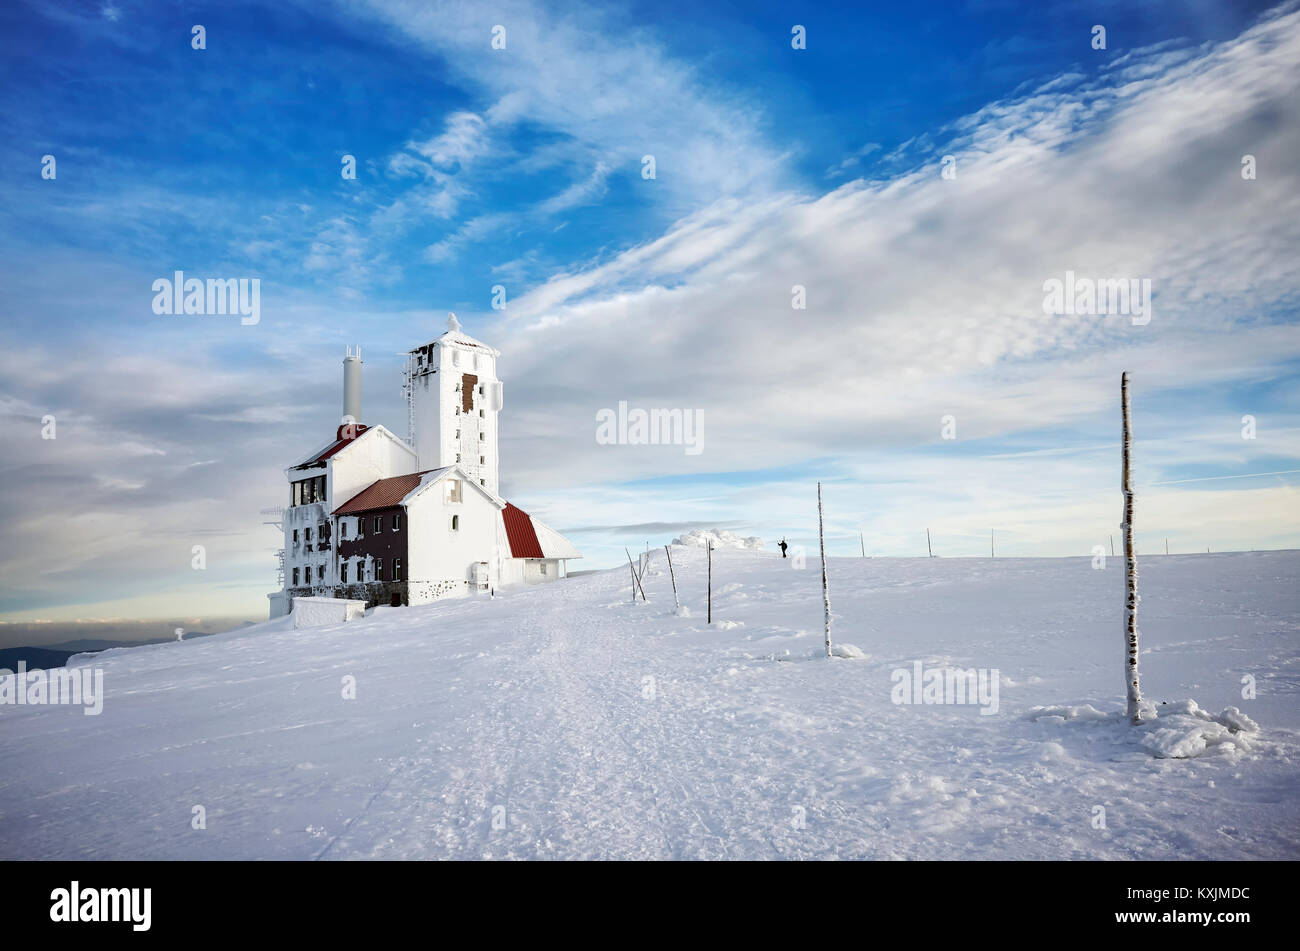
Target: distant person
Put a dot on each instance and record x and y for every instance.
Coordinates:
(782, 547)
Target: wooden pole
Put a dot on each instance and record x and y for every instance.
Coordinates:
(864, 544)
(672, 575)
(629, 568)
(1112, 546)
(826, 594)
(1132, 689)
(710, 608)
(927, 543)
(991, 554)
(636, 580)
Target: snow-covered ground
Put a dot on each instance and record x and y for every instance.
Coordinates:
(564, 721)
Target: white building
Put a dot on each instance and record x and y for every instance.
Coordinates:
(390, 521)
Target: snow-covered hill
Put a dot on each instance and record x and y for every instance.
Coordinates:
(565, 721)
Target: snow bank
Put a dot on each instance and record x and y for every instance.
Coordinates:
(1183, 730)
(1179, 730)
(720, 538)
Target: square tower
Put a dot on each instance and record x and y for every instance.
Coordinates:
(454, 397)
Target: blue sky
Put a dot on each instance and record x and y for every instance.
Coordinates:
(522, 168)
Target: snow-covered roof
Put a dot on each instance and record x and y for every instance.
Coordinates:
(402, 489)
(343, 441)
(455, 335)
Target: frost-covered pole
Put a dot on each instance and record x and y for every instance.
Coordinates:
(672, 575)
(927, 543)
(826, 593)
(710, 609)
(1130, 569)
(863, 540)
(636, 580)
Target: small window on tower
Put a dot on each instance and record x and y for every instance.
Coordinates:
(458, 434)
(295, 536)
(343, 572)
(320, 572)
(480, 435)
(480, 414)
(480, 391)
(307, 534)
(343, 529)
(482, 483)
(295, 576)
(458, 457)
(480, 460)
(455, 523)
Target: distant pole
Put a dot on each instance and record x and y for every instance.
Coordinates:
(927, 543)
(1166, 546)
(672, 575)
(826, 594)
(710, 608)
(991, 555)
(864, 544)
(1112, 546)
(1134, 692)
(636, 581)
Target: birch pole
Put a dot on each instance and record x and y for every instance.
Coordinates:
(1133, 691)
(826, 594)
(673, 576)
(710, 608)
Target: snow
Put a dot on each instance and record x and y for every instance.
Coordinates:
(565, 721)
(719, 538)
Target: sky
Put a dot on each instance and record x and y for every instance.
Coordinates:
(916, 173)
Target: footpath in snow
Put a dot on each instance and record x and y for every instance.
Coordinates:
(565, 721)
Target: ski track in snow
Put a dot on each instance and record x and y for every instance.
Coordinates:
(519, 727)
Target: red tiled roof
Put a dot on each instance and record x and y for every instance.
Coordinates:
(383, 494)
(519, 530)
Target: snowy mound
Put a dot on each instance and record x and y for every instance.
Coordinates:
(702, 538)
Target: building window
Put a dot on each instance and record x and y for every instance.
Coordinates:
(543, 567)
(361, 527)
(455, 523)
(295, 536)
(453, 490)
(308, 536)
(379, 569)
(480, 435)
(482, 483)
(343, 572)
(320, 572)
(379, 524)
(480, 414)
(457, 408)
(458, 434)
(343, 529)
(397, 522)
(480, 391)
(361, 571)
(295, 577)
(481, 460)
(458, 457)
(397, 569)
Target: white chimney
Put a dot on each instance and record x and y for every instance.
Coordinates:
(352, 384)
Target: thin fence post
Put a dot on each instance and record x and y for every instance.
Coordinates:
(710, 608)
(672, 575)
(1132, 688)
(826, 593)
